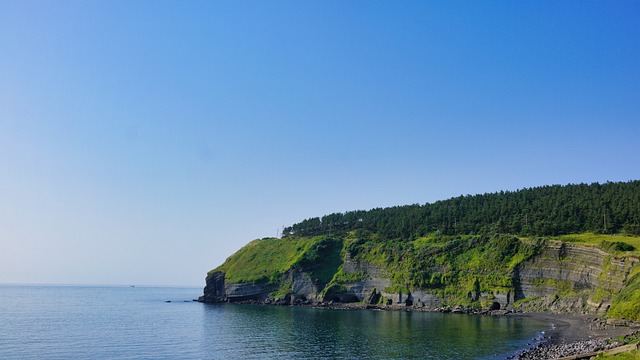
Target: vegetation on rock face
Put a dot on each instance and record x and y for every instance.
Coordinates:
(266, 260)
(322, 259)
(456, 268)
(626, 304)
(616, 243)
(464, 250)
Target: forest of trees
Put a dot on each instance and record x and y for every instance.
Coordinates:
(613, 207)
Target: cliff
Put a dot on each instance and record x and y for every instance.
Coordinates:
(478, 272)
(572, 278)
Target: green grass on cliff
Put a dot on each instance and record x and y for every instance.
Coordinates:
(263, 260)
(626, 304)
(322, 260)
(618, 244)
(266, 260)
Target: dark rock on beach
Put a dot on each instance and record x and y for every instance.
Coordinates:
(555, 351)
(574, 336)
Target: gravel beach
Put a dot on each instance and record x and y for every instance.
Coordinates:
(573, 335)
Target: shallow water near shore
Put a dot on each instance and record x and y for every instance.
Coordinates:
(99, 322)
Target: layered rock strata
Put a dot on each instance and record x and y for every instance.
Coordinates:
(562, 277)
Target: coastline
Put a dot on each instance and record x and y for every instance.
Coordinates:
(572, 335)
(566, 335)
(567, 328)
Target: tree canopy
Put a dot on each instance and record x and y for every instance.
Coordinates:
(612, 207)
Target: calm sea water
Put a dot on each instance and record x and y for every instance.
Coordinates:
(94, 322)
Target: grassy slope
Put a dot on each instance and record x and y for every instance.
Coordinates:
(626, 304)
(268, 259)
(263, 260)
(604, 241)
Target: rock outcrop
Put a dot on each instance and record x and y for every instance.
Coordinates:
(218, 290)
(214, 290)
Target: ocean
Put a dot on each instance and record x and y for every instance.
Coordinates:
(109, 322)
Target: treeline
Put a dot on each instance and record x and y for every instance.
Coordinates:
(613, 207)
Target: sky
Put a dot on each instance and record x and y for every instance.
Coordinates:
(144, 142)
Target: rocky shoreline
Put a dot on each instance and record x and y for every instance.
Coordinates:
(550, 350)
(575, 335)
(556, 351)
(567, 335)
(363, 306)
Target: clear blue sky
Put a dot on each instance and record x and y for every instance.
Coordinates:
(143, 142)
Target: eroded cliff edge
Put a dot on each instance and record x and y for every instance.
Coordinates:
(490, 272)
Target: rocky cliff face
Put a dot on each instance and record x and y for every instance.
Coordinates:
(214, 290)
(562, 277)
(218, 290)
(571, 278)
(374, 279)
